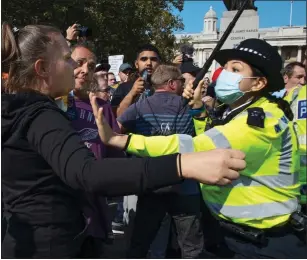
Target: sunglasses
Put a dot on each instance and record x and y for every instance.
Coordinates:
(149, 58)
(181, 79)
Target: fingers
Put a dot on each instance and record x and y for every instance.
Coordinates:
(100, 115)
(94, 104)
(236, 164)
(236, 154)
(140, 79)
(188, 93)
(231, 174)
(201, 84)
(223, 181)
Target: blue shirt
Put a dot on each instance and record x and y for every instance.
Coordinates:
(163, 113)
(280, 93)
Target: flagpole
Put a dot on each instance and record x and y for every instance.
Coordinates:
(291, 14)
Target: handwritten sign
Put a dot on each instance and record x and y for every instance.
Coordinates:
(115, 61)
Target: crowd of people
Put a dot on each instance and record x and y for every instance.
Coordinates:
(220, 176)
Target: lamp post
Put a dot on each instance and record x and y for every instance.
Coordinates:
(291, 13)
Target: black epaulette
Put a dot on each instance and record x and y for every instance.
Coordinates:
(256, 117)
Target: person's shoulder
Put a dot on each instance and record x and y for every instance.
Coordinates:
(125, 85)
(263, 114)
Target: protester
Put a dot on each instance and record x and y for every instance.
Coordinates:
(164, 113)
(102, 70)
(101, 89)
(147, 59)
(189, 70)
(111, 79)
(124, 71)
(258, 212)
(46, 167)
(209, 97)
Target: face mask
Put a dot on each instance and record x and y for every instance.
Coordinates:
(227, 87)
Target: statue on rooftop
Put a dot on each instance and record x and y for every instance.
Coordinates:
(233, 5)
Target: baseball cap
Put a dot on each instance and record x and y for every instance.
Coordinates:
(125, 66)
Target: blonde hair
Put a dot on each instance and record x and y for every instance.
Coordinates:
(163, 73)
(20, 51)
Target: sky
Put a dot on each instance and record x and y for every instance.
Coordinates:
(271, 13)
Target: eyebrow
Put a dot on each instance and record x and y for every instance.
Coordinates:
(148, 57)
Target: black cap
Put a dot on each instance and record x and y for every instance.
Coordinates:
(102, 66)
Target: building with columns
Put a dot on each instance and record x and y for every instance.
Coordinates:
(290, 41)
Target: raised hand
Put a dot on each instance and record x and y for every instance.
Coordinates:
(106, 134)
(194, 96)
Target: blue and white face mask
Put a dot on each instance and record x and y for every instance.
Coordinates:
(227, 87)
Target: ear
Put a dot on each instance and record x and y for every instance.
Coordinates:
(136, 64)
(171, 84)
(259, 84)
(41, 68)
(286, 79)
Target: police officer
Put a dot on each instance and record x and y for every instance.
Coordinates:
(298, 102)
(255, 210)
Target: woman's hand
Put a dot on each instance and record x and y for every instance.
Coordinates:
(72, 32)
(107, 136)
(178, 59)
(195, 96)
(215, 167)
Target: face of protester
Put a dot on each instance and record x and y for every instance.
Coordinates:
(298, 78)
(102, 73)
(148, 60)
(56, 74)
(123, 75)
(84, 72)
(111, 80)
(103, 91)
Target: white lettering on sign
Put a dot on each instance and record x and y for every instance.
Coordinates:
(246, 27)
(302, 109)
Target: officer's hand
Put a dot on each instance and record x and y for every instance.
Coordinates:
(216, 167)
(138, 87)
(195, 96)
(107, 136)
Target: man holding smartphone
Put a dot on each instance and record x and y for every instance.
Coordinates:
(148, 59)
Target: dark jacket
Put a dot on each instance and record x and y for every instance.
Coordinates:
(46, 168)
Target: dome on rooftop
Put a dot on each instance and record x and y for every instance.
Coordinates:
(211, 13)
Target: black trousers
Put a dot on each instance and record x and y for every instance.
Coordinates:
(24, 240)
(280, 244)
(186, 214)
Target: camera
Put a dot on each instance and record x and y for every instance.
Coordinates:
(185, 57)
(84, 31)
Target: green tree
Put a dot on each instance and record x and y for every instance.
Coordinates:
(119, 26)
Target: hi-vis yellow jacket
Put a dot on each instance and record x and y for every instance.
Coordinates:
(297, 98)
(266, 193)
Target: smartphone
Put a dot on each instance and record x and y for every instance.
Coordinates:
(145, 75)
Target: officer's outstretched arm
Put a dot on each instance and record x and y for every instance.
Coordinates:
(156, 145)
